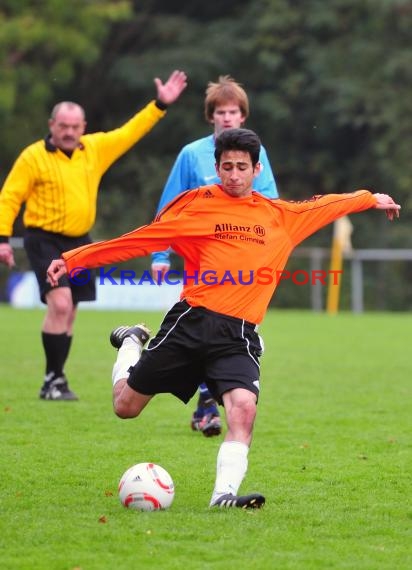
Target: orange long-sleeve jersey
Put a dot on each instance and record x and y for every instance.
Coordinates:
(233, 248)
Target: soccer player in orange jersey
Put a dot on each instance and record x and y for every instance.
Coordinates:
(235, 244)
(226, 106)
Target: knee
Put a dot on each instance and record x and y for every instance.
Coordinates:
(247, 410)
(123, 414)
(60, 305)
(124, 409)
(127, 403)
(243, 412)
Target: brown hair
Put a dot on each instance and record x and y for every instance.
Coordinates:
(226, 90)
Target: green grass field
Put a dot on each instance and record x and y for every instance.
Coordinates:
(331, 453)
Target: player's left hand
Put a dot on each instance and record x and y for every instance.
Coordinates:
(168, 92)
(385, 202)
(56, 269)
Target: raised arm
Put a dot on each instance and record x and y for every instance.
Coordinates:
(116, 142)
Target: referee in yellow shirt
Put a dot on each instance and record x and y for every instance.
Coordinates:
(58, 181)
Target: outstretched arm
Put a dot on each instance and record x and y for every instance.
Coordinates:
(303, 219)
(385, 202)
(168, 92)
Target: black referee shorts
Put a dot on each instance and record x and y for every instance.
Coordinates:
(196, 345)
(42, 247)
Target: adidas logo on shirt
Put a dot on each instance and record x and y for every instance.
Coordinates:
(208, 194)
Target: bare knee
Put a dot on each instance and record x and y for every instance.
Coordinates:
(244, 412)
(124, 414)
(60, 303)
(124, 411)
(127, 403)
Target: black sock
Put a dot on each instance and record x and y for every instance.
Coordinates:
(56, 348)
(68, 345)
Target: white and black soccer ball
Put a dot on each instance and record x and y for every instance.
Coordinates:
(146, 487)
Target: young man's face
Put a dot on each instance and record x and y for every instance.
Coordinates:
(227, 116)
(237, 173)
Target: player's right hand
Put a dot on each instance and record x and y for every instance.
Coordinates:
(6, 255)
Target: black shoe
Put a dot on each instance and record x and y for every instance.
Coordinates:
(254, 501)
(139, 333)
(57, 389)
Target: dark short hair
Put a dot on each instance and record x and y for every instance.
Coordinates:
(238, 139)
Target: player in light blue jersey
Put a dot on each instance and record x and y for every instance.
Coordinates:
(226, 107)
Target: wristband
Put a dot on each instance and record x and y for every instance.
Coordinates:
(160, 105)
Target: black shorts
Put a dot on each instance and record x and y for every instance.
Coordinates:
(42, 247)
(196, 345)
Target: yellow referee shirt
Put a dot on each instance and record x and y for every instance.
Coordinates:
(60, 193)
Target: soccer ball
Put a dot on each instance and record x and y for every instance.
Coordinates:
(146, 487)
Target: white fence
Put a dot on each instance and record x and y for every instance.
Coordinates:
(318, 255)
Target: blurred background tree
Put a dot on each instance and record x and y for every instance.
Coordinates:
(45, 46)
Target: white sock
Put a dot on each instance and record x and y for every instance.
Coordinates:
(129, 353)
(231, 468)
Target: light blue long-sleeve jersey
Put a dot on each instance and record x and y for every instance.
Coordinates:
(195, 166)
